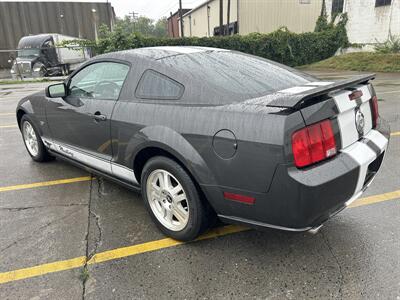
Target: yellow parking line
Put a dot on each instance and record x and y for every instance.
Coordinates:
(396, 133)
(147, 247)
(44, 183)
(9, 126)
(160, 244)
(43, 269)
(376, 198)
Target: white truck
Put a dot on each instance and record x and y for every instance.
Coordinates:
(41, 55)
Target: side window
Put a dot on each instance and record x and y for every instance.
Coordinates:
(154, 85)
(101, 81)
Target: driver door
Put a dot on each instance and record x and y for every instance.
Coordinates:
(80, 122)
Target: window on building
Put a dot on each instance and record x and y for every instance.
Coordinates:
(382, 2)
(337, 6)
(154, 85)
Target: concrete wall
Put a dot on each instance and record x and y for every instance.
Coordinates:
(369, 24)
(77, 19)
(268, 15)
(195, 23)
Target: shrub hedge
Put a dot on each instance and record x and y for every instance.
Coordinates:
(283, 46)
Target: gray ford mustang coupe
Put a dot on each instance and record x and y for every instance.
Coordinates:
(208, 133)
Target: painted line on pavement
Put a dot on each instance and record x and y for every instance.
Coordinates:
(43, 183)
(9, 126)
(117, 253)
(7, 114)
(376, 199)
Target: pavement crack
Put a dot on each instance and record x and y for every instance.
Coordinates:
(339, 266)
(89, 254)
(100, 187)
(41, 206)
(85, 268)
(99, 238)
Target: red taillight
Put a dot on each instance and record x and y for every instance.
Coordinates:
(313, 143)
(375, 112)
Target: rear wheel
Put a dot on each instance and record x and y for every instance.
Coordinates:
(32, 140)
(173, 200)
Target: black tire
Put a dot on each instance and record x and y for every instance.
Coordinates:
(200, 213)
(42, 153)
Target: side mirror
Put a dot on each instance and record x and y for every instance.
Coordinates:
(56, 90)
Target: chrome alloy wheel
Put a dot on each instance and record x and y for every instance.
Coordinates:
(30, 138)
(167, 200)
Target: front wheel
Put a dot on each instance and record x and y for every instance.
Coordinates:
(173, 200)
(32, 140)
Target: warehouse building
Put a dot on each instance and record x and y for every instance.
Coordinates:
(77, 19)
(369, 20)
(173, 23)
(247, 16)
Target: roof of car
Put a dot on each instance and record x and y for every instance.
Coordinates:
(156, 53)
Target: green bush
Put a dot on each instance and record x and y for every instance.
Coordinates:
(283, 46)
(392, 45)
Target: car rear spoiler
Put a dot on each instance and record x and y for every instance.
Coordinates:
(297, 100)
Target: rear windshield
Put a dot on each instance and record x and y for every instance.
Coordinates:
(241, 74)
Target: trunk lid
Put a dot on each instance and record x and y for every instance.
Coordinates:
(319, 100)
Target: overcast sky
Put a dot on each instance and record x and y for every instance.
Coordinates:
(154, 9)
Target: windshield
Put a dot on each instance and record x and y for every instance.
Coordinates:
(244, 75)
(28, 52)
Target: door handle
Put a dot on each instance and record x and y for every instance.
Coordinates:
(99, 117)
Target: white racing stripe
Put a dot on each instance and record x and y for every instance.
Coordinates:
(343, 103)
(320, 83)
(347, 115)
(377, 138)
(297, 89)
(363, 155)
(177, 49)
(97, 163)
(347, 125)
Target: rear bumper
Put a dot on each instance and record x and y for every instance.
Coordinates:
(300, 200)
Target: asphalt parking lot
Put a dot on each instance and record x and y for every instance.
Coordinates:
(67, 235)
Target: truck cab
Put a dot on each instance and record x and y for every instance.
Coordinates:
(40, 56)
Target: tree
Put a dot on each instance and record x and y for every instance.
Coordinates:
(160, 28)
(144, 26)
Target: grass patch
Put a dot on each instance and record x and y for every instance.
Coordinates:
(24, 81)
(360, 61)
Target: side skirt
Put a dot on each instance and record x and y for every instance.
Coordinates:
(95, 171)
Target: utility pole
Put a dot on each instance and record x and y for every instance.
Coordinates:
(208, 20)
(170, 24)
(221, 17)
(180, 17)
(134, 16)
(228, 16)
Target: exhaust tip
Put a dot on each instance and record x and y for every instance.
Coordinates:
(315, 230)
